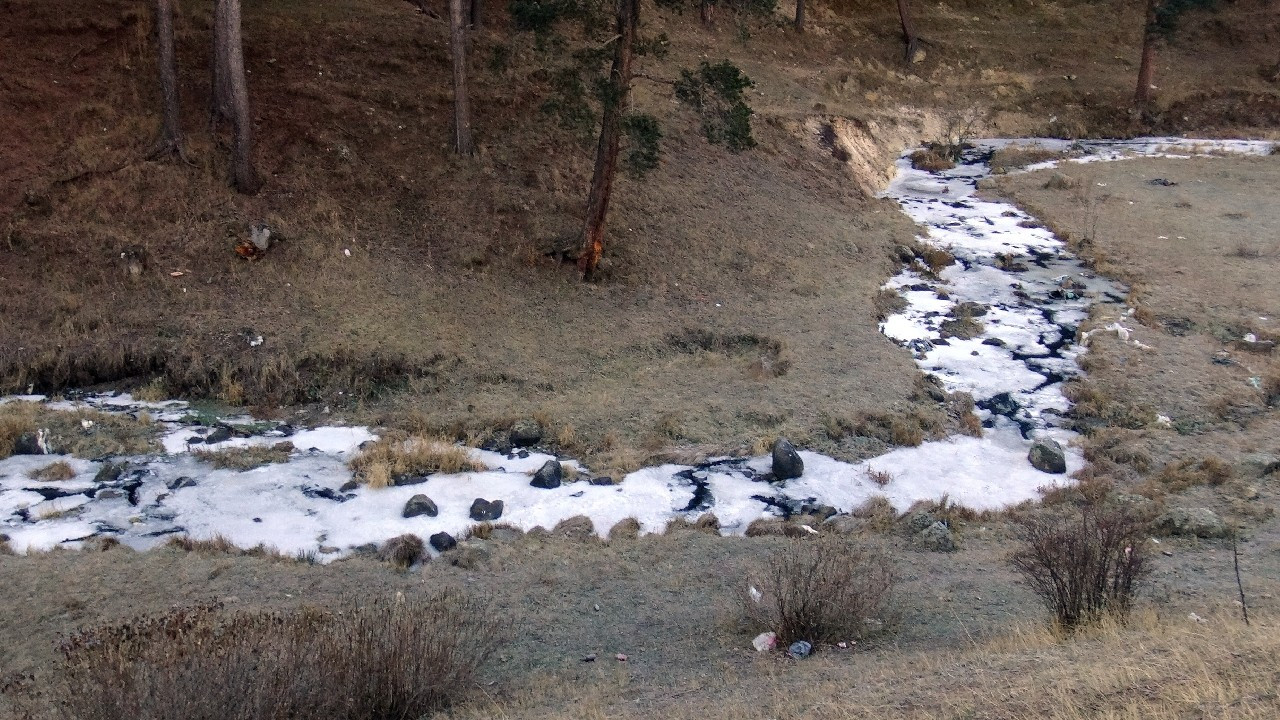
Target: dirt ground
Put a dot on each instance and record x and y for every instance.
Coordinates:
(670, 603)
(1198, 241)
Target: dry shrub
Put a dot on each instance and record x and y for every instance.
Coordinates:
(891, 429)
(1084, 563)
(398, 455)
(1117, 447)
(402, 551)
(930, 160)
(971, 424)
(246, 458)
(1013, 157)
(1193, 472)
(880, 477)
(823, 591)
(154, 391)
(1092, 404)
(380, 660)
(54, 472)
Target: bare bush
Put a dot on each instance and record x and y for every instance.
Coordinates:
(1085, 564)
(823, 591)
(388, 659)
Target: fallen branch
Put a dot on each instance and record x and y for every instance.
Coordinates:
(1235, 558)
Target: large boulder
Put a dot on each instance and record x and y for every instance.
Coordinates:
(526, 433)
(420, 505)
(548, 476)
(485, 511)
(1198, 522)
(786, 461)
(936, 538)
(1047, 456)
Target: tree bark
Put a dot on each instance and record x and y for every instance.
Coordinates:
(1147, 68)
(230, 47)
(909, 37)
(707, 10)
(462, 143)
(170, 141)
(220, 87)
(477, 13)
(615, 108)
(800, 16)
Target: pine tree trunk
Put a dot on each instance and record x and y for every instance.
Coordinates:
(220, 87)
(707, 10)
(462, 143)
(909, 37)
(230, 47)
(615, 108)
(1147, 68)
(799, 15)
(170, 141)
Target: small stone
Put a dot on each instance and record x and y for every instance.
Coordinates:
(485, 511)
(443, 542)
(602, 480)
(348, 486)
(526, 433)
(404, 480)
(420, 505)
(548, 476)
(621, 657)
(328, 550)
(1046, 455)
(787, 463)
(108, 494)
(111, 472)
(590, 657)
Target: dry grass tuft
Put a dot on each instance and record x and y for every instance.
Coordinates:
(53, 472)
(823, 591)
(625, 529)
(880, 477)
(387, 658)
(246, 458)
(899, 428)
(1014, 157)
(878, 512)
(1193, 472)
(930, 160)
(886, 302)
(937, 259)
(397, 455)
(221, 545)
(402, 551)
(154, 391)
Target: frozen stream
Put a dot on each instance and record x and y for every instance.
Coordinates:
(1015, 279)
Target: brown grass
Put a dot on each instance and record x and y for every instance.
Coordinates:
(403, 551)
(221, 545)
(53, 472)
(886, 302)
(1192, 472)
(878, 512)
(104, 434)
(398, 455)
(246, 458)
(1014, 157)
(880, 477)
(937, 259)
(930, 160)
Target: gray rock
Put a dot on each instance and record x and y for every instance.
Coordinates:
(470, 555)
(548, 476)
(800, 649)
(936, 538)
(1256, 465)
(31, 443)
(111, 472)
(349, 485)
(526, 433)
(108, 494)
(485, 511)
(220, 433)
(919, 521)
(505, 534)
(1197, 522)
(1047, 456)
(786, 461)
(601, 480)
(904, 254)
(420, 505)
(181, 482)
(403, 480)
(844, 525)
(443, 542)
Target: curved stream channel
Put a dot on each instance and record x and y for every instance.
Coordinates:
(1013, 277)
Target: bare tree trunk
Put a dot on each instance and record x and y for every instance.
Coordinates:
(1147, 68)
(462, 143)
(615, 107)
(707, 10)
(909, 37)
(799, 15)
(230, 46)
(170, 141)
(477, 13)
(220, 86)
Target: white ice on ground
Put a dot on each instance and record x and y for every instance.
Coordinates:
(1034, 294)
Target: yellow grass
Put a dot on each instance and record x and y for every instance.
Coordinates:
(398, 454)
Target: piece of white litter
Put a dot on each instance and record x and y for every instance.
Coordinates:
(756, 595)
(765, 641)
(808, 529)
(1250, 337)
(346, 252)
(86, 424)
(1164, 421)
(1195, 618)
